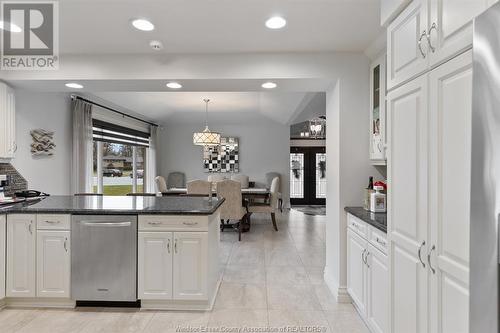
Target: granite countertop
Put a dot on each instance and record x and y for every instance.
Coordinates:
(114, 205)
(378, 220)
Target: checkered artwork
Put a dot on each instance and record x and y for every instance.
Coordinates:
(223, 158)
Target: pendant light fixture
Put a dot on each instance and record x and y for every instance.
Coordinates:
(207, 137)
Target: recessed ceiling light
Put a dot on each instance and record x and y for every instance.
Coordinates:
(10, 27)
(143, 25)
(276, 22)
(156, 45)
(269, 85)
(174, 85)
(74, 85)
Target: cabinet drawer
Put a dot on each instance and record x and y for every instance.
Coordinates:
(378, 239)
(357, 225)
(173, 223)
(53, 221)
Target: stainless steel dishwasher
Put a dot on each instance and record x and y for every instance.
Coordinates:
(104, 258)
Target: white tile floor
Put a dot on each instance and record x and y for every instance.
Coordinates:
(270, 279)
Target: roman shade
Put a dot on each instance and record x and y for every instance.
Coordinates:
(112, 133)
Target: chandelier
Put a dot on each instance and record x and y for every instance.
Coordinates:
(206, 137)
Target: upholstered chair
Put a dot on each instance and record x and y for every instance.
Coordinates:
(215, 178)
(199, 187)
(232, 209)
(244, 180)
(176, 180)
(269, 178)
(161, 184)
(268, 207)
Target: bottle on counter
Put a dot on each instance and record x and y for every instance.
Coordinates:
(378, 200)
(368, 192)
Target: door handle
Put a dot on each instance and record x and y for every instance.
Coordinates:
(424, 34)
(65, 244)
(52, 222)
(106, 224)
(366, 259)
(433, 27)
(429, 259)
(363, 256)
(30, 227)
(419, 254)
(190, 223)
(175, 245)
(168, 245)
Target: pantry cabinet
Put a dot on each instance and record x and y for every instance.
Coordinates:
(53, 263)
(21, 256)
(429, 124)
(3, 246)
(155, 253)
(8, 144)
(428, 33)
(368, 273)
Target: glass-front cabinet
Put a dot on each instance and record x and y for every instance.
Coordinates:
(377, 111)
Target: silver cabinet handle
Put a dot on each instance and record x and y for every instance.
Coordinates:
(190, 223)
(175, 245)
(429, 259)
(52, 222)
(419, 254)
(424, 34)
(363, 256)
(154, 223)
(65, 244)
(433, 27)
(366, 259)
(168, 245)
(15, 146)
(381, 242)
(30, 227)
(106, 224)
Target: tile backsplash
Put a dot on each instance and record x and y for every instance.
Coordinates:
(17, 182)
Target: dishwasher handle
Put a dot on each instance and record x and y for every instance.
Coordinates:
(106, 224)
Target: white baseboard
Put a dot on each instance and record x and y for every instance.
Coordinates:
(62, 303)
(340, 293)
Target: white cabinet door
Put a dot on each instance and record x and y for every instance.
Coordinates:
(3, 240)
(155, 265)
(21, 249)
(450, 27)
(407, 111)
(449, 197)
(405, 59)
(356, 269)
(53, 265)
(377, 291)
(190, 265)
(7, 122)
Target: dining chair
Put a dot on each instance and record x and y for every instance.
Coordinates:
(244, 180)
(232, 208)
(199, 186)
(176, 180)
(214, 178)
(269, 178)
(267, 207)
(161, 184)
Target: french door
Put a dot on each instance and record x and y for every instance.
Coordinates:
(307, 175)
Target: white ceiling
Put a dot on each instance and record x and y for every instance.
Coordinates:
(217, 26)
(188, 107)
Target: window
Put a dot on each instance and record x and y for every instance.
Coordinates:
(119, 159)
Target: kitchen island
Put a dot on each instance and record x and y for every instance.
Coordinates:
(156, 252)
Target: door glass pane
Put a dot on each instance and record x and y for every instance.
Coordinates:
(297, 175)
(140, 158)
(94, 168)
(321, 176)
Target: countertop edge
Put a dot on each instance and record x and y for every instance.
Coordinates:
(364, 217)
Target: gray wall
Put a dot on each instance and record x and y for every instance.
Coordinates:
(49, 111)
(264, 147)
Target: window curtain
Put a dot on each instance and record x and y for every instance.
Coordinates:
(151, 161)
(82, 168)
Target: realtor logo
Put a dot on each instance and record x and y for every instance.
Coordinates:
(29, 35)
